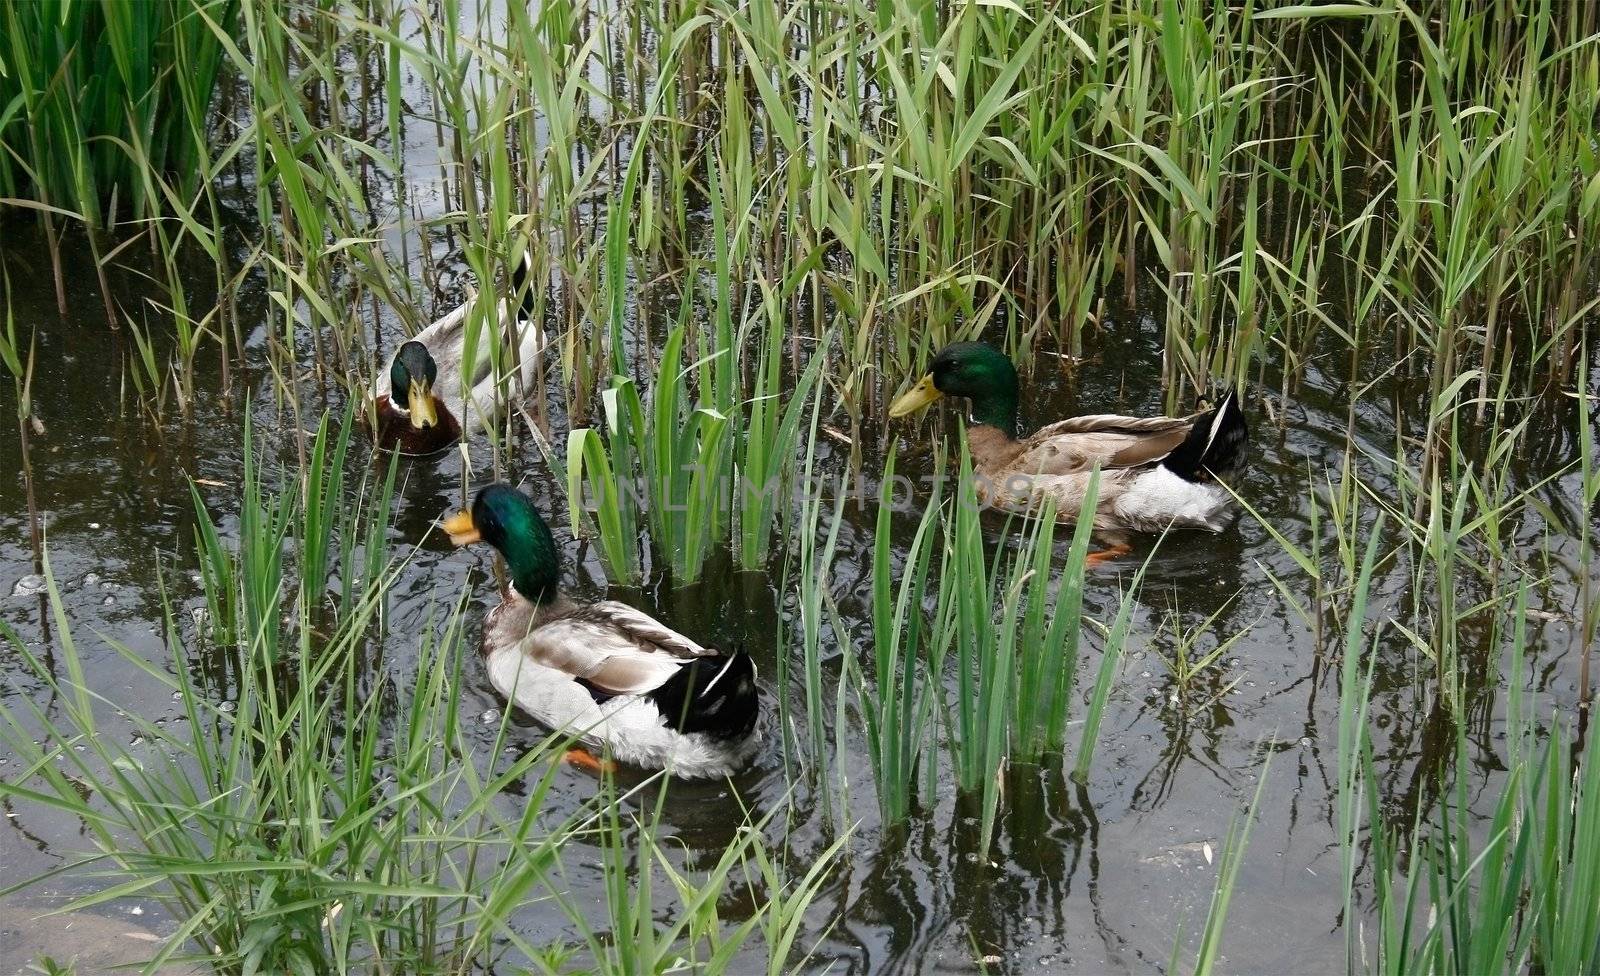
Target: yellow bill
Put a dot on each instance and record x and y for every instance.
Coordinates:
(916, 398)
(461, 528)
(419, 401)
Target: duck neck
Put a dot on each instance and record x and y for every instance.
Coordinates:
(998, 410)
(535, 564)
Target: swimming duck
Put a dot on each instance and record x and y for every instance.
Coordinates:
(419, 405)
(1155, 472)
(619, 679)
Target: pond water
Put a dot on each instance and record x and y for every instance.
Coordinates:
(1099, 877)
(1106, 876)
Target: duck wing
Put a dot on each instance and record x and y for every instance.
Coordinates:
(489, 391)
(611, 647)
(1109, 441)
(520, 344)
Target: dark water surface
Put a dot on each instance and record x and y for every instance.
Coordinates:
(1103, 877)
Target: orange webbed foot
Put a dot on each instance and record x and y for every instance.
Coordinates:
(1106, 555)
(584, 759)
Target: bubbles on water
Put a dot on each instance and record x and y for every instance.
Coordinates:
(29, 585)
(490, 716)
(91, 579)
(227, 706)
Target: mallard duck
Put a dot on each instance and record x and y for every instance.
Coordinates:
(425, 375)
(615, 677)
(1155, 472)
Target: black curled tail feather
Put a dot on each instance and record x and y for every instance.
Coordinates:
(522, 285)
(713, 695)
(1215, 445)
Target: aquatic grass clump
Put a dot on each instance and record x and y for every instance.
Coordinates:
(369, 842)
(1456, 890)
(1290, 178)
(1522, 896)
(309, 813)
(365, 840)
(694, 935)
(898, 703)
(105, 115)
(1016, 645)
(684, 467)
(93, 95)
(1008, 624)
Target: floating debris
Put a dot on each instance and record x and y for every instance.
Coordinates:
(1181, 855)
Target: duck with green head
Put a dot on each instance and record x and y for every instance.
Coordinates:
(616, 678)
(427, 398)
(411, 418)
(1156, 473)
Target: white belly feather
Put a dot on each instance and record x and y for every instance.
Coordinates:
(1149, 500)
(1158, 499)
(628, 727)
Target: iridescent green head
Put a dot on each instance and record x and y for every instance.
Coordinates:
(505, 518)
(411, 378)
(975, 370)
